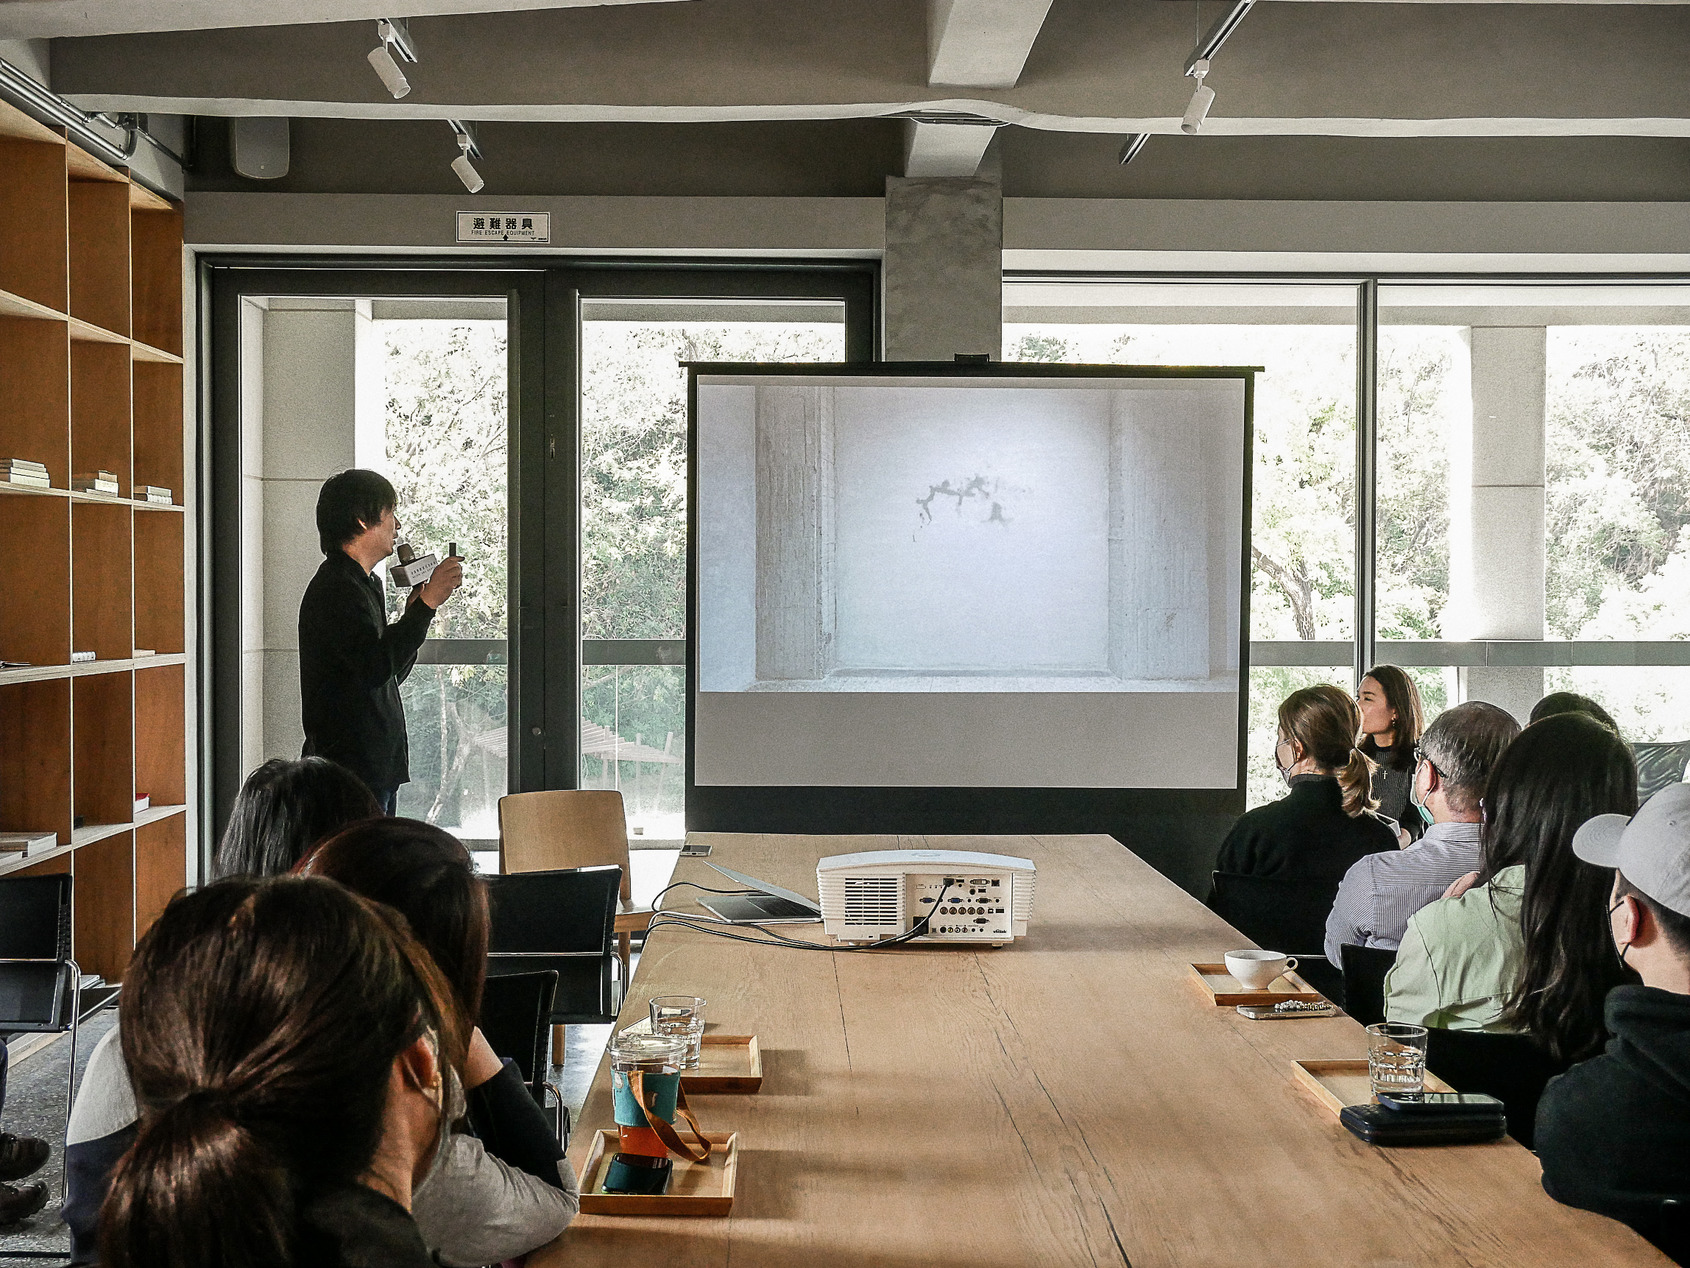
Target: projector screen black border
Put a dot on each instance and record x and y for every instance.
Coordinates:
(1176, 830)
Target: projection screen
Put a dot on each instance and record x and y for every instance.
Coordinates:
(1013, 578)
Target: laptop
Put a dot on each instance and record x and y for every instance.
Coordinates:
(770, 903)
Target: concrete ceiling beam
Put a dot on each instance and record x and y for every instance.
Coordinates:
(945, 149)
(54, 19)
(981, 43)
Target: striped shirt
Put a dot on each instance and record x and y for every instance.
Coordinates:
(1380, 892)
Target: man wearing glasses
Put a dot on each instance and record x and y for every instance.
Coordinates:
(1453, 762)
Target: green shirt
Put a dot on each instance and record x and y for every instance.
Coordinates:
(1461, 958)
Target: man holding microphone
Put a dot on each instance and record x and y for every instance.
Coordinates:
(351, 661)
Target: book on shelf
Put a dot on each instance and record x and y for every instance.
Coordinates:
(155, 495)
(94, 482)
(139, 652)
(14, 664)
(143, 802)
(24, 472)
(82, 658)
(28, 843)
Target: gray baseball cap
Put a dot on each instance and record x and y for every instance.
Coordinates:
(1651, 848)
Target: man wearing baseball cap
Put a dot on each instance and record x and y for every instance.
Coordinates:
(1613, 1133)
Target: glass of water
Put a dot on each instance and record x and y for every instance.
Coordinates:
(683, 1017)
(1396, 1059)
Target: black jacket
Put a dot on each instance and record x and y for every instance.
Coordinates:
(1613, 1133)
(1304, 836)
(356, 1227)
(351, 662)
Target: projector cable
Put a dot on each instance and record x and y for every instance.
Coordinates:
(702, 924)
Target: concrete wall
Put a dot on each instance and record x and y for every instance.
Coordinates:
(307, 383)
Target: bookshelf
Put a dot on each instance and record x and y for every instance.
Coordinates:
(91, 380)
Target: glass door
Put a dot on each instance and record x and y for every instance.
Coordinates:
(634, 525)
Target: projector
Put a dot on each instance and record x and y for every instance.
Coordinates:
(880, 894)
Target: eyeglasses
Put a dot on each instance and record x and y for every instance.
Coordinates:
(1420, 755)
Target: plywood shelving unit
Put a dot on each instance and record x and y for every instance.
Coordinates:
(91, 380)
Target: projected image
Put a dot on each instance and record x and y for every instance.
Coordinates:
(1024, 535)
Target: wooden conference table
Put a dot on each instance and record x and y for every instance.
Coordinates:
(1070, 1099)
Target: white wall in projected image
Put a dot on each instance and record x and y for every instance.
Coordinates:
(968, 581)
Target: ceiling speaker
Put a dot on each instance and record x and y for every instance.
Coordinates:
(259, 148)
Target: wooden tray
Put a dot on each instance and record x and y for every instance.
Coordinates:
(726, 1063)
(1336, 1084)
(698, 1188)
(1228, 992)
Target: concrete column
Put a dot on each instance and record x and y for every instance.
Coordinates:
(795, 533)
(942, 277)
(313, 352)
(1496, 511)
(1158, 598)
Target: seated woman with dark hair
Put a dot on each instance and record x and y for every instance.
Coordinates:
(513, 1189)
(283, 810)
(291, 1047)
(495, 1195)
(1527, 949)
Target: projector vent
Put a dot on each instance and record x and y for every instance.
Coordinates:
(872, 900)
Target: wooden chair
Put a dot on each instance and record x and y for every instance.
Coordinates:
(565, 828)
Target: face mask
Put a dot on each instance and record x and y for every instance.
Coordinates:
(1414, 800)
(1284, 770)
(1623, 951)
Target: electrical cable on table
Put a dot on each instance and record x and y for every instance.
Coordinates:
(701, 924)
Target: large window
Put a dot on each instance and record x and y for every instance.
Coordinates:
(1531, 449)
(634, 525)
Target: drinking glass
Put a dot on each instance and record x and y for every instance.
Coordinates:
(1396, 1059)
(682, 1016)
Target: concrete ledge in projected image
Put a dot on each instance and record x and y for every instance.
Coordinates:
(1037, 535)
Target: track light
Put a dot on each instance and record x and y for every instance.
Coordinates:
(1201, 100)
(467, 149)
(1134, 144)
(395, 37)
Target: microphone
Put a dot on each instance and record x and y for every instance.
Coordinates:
(412, 569)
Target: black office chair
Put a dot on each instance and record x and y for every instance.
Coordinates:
(515, 1020)
(1282, 915)
(40, 984)
(563, 920)
(1659, 766)
(1672, 1234)
(1512, 1068)
(1364, 981)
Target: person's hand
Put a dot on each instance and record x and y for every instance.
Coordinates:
(448, 575)
(480, 1062)
(1461, 884)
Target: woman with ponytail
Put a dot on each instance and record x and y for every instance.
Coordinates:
(289, 1045)
(1326, 822)
(1527, 948)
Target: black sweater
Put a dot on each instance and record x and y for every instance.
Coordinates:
(1304, 836)
(356, 1227)
(351, 662)
(1613, 1133)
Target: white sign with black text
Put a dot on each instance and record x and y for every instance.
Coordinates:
(504, 226)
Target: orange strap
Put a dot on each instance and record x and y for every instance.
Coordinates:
(665, 1132)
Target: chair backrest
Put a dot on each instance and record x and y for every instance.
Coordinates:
(1673, 1233)
(35, 917)
(1280, 915)
(515, 1010)
(563, 920)
(561, 912)
(1364, 981)
(1512, 1068)
(36, 996)
(1659, 766)
(542, 831)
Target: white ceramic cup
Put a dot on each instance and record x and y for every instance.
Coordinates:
(1257, 970)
